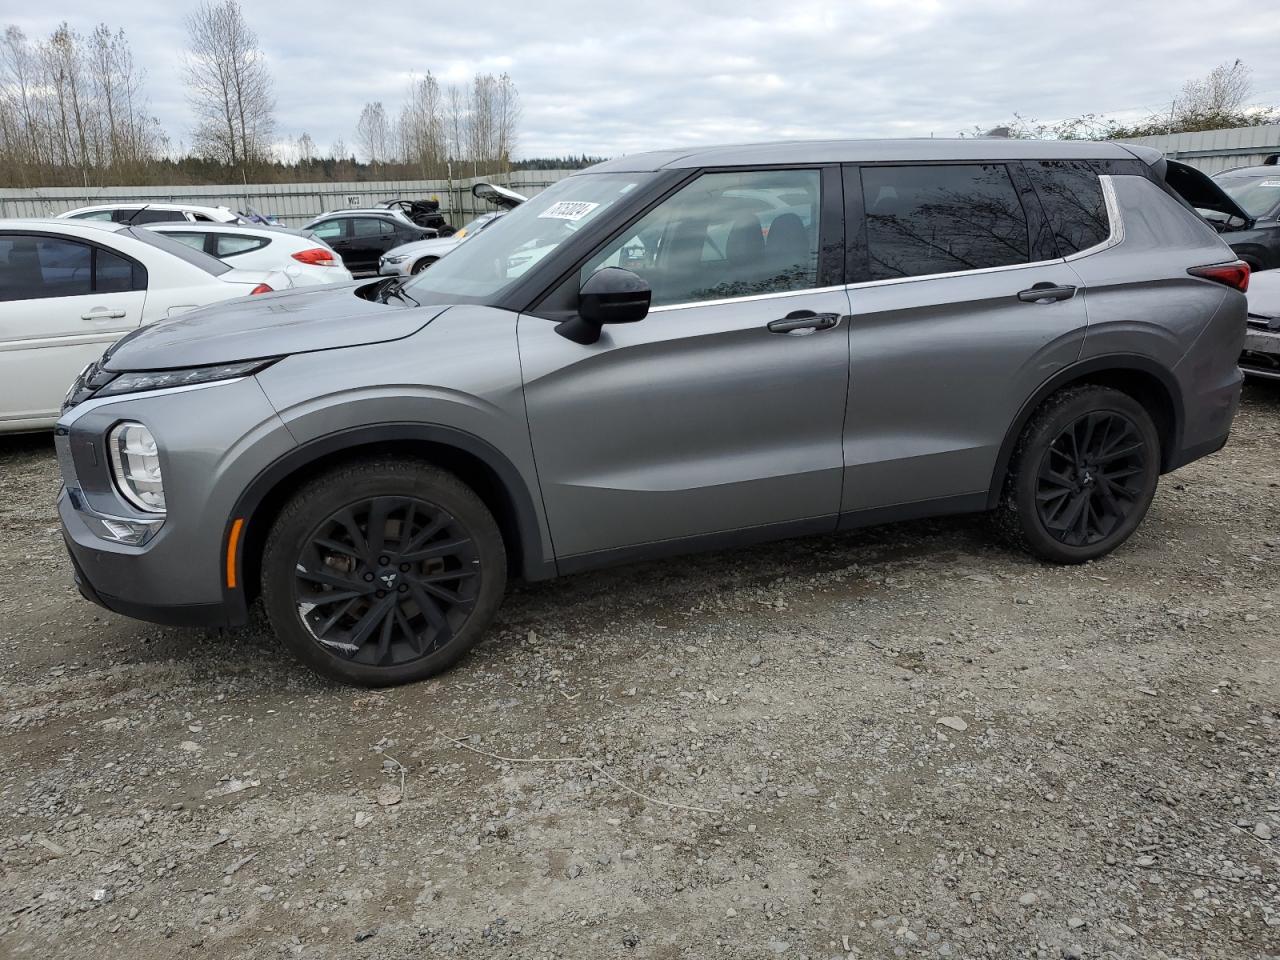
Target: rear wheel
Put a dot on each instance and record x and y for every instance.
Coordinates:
(383, 573)
(423, 264)
(1082, 475)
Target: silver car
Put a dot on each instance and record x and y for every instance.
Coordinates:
(410, 258)
(674, 351)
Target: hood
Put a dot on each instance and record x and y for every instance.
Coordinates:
(1199, 190)
(268, 325)
(436, 245)
(1264, 298)
(498, 196)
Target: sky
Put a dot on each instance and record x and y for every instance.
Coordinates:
(611, 78)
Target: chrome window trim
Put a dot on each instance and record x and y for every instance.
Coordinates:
(1113, 215)
(93, 403)
(888, 281)
(747, 299)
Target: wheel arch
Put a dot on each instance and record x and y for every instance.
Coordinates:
(476, 462)
(1140, 377)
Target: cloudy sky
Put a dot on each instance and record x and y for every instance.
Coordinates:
(608, 78)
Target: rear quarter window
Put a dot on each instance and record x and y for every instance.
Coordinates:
(1071, 195)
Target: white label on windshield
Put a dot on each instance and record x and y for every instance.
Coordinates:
(1270, 183)
(568, 210)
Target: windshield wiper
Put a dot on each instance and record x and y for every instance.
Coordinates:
(392, 289)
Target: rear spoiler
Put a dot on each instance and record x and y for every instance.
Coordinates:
(1194, 186)
(498, 196)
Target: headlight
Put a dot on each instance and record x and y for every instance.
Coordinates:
(135, 463)
(160, 379)
(401, 258)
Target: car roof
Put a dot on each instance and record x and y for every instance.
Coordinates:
(254, 229)
(138, 205)
(50, 223)
(870, 151)
(1270, 170)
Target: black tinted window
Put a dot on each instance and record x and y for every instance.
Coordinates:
(154, 216)
(113, 274)
(1072, 199)
(368, 227)
(942, 219)
(36, 267)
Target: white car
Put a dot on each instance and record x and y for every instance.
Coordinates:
(410, 258)
(144, 213)
(69, 289)
(303, 258)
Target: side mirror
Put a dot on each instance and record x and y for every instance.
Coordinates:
(610, 295)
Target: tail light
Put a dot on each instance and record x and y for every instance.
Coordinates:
(316, 257)
(1234, 274)
(260, 288)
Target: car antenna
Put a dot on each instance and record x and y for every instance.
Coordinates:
(136, 212)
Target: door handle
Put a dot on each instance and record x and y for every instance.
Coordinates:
(803, 322)
(101, 314)
(1047, 293)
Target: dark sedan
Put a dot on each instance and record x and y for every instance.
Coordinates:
(361, 237)
(1254, 236)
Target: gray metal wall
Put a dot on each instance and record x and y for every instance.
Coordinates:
(1216, 150)
(294, 203)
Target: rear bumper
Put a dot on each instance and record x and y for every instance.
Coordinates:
(1208, 421)
(1261, 356)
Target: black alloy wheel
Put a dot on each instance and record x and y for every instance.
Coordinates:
(1091, 478)
(1082, 474)
(383, 572)
(387, 580)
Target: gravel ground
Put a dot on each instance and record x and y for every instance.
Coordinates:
(905, 742)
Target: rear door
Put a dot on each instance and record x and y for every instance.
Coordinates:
(960, 308)
(62, 302)
(719, 415)
(370, 238)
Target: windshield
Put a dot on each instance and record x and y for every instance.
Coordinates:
(1256, 195)
(492, 260)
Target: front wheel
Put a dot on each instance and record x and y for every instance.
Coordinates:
(423, 264)
(1082, 476)
(384, 572)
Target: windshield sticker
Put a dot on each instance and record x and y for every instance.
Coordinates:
(568, 210)
(1270, 183)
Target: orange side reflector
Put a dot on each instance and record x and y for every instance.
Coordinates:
(233, 543)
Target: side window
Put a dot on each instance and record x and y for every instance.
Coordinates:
(193, 240)
(329, 230)
(201, 218)
(230, 244)
(94, 215)
(1071, 195)
(923, 220)
(725, 235)
(365, 227)
(386, 227)
(114, 274)
(37, 267)
(158, 216)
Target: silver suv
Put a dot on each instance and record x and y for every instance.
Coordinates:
(676, 351)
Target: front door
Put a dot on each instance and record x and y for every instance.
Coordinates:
(61, 304)
(721, 412)
(961, 308)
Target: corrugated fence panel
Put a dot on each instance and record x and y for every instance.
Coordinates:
(293, 203)
(1216, 150)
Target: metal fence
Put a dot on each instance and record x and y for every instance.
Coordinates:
(1215, 150)
(293, 203)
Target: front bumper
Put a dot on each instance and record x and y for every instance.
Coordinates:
(395, 269)
(1261, 356)
(178, 575)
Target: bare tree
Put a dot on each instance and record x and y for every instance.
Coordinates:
(229, 86)
(373, 133)
(306, 148)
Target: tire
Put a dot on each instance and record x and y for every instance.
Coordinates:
(406, 605)
(423, 264)
(1082, 475)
